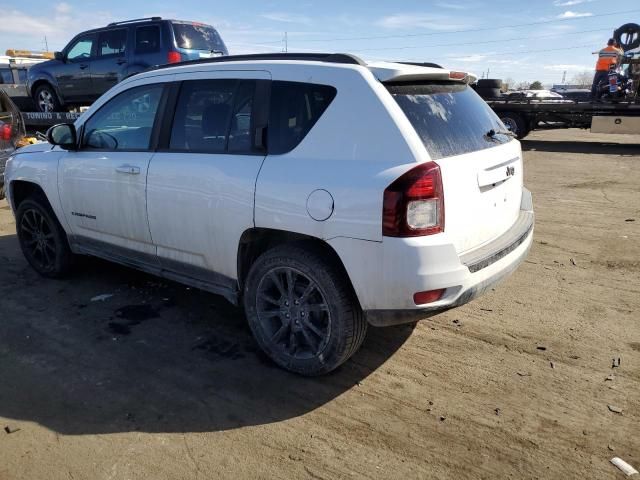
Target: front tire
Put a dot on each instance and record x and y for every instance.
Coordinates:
(46, 99)
(42, 239)
(302, 310)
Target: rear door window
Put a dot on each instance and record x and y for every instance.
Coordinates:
(295, 109)
(148, 39)
(450, 118)
(196, 36)
(112, 42)
(213, 116)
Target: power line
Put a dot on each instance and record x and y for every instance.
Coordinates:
(470, 30)
(534, 37)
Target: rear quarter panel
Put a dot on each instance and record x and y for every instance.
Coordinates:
(354, 152)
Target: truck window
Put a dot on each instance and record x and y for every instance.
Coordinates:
(148, 39)
(195, 36)
(450, 118)
(5, 75)
(81, 50)
(112, 42)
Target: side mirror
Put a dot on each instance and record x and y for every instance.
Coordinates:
(58, 56)
(64, 136)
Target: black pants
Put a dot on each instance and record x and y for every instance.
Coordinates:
(598, 78)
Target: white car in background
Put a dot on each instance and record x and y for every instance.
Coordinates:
(321, 192)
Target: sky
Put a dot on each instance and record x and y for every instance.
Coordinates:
(522, 40)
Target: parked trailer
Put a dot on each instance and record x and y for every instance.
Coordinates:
(523, 115)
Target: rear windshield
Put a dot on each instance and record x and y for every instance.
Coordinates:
(193, 36)
(450, 118)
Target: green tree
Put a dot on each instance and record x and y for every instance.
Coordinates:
(536, 86)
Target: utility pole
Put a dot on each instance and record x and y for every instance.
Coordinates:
(46, 44)
(286, 42)
(564, 77)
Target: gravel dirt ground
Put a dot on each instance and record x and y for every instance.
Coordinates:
(160, 381)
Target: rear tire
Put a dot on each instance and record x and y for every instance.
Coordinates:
(302, 310)
(515, 123)
(42, 239)
(46, 99)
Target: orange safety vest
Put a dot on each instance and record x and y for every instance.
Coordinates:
(606, 57)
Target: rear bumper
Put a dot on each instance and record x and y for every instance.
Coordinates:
(409, 265)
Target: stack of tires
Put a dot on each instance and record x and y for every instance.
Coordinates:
(489, 88)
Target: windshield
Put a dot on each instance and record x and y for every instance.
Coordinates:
(195, 36)
(450, 118)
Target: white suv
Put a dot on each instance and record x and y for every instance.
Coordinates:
(320, 192)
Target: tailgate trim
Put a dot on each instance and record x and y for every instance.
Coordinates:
(505, 243)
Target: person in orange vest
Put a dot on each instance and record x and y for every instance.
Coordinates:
(607, 57)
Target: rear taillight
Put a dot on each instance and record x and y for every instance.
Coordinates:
(5, 132)
(174, 57)
(414, 204)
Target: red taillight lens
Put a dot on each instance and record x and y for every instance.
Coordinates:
(421, 298)
(414, 204)
(5, 132)
(457, 75)
(174, 57)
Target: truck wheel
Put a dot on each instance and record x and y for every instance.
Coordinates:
(515, 123)
(302, 311)
(46, 99)
(42, 239)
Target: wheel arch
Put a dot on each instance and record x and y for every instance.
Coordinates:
(20, 190)
(45, 81)
(256, 241)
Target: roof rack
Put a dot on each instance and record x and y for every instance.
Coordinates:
(318, 57)
(124, 22)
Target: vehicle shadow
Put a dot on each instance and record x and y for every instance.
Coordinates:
(625, 149)
(154, 357)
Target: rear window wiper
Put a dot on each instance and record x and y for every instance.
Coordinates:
(492, 133)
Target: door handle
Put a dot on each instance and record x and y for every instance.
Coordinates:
(121, 61)
(83, 66)
(128, 169)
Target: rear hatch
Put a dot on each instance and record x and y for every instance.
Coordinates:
(481, 168)
(197, 40)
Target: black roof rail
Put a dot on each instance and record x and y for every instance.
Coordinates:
(318, 57)
(422, 64)
(124, 22)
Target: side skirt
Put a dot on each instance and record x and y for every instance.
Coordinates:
(227, 287)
